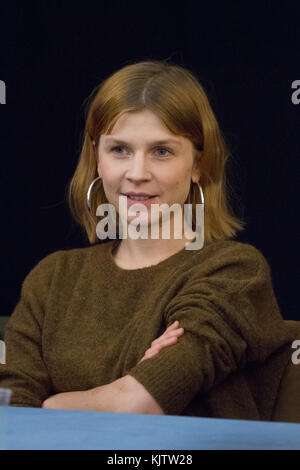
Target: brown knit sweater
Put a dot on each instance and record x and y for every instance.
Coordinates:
(82, 321)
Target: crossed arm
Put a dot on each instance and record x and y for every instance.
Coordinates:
(124, 395)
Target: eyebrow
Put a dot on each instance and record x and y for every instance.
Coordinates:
(158, 142)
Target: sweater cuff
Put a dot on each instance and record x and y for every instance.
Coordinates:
(172, 384)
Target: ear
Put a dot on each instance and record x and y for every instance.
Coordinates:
(98, 163)
(196, 171)
(98, 168)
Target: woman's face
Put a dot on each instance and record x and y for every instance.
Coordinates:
(130, 160)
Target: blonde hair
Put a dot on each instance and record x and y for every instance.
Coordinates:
(176, 96)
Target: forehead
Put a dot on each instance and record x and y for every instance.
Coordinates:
(141, 126)
(109, 139)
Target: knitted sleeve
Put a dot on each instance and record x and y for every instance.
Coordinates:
(25, 372)
(230, 317)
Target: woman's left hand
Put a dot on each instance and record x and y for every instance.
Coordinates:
(169, 337)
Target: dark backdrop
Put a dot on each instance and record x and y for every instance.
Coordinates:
(53, 53)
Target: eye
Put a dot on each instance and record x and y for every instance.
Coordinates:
(116, 147)
(164, 149)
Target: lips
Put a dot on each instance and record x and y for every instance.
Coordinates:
(139, 194)
(147, 201)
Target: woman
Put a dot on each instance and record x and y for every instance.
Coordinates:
(86, 316)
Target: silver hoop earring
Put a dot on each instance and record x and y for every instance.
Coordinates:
(89, 192)
(199, 243)
(201, 192)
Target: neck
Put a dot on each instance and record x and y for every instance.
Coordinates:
(147, 252)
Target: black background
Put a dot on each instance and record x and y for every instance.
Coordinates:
(53, 53)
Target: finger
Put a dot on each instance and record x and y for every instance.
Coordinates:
(143, 358)
(161, 339)
(146, 356)
(171, 328)
(177, 332)
(173, 325)
(155, 350)
(163, 342)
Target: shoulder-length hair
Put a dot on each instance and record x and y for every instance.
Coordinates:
(176, 96)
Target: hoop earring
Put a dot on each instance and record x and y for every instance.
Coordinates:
(89, 192)
(201, 192)
(199, 224)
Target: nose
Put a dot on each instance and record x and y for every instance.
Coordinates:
(138, 169)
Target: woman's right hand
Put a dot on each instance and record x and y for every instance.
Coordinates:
(168, 337)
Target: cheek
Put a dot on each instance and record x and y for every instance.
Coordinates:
(172, 179)
(182, 185)
(183, 181)
(181, 176)
(107, 171)
(178, 185)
